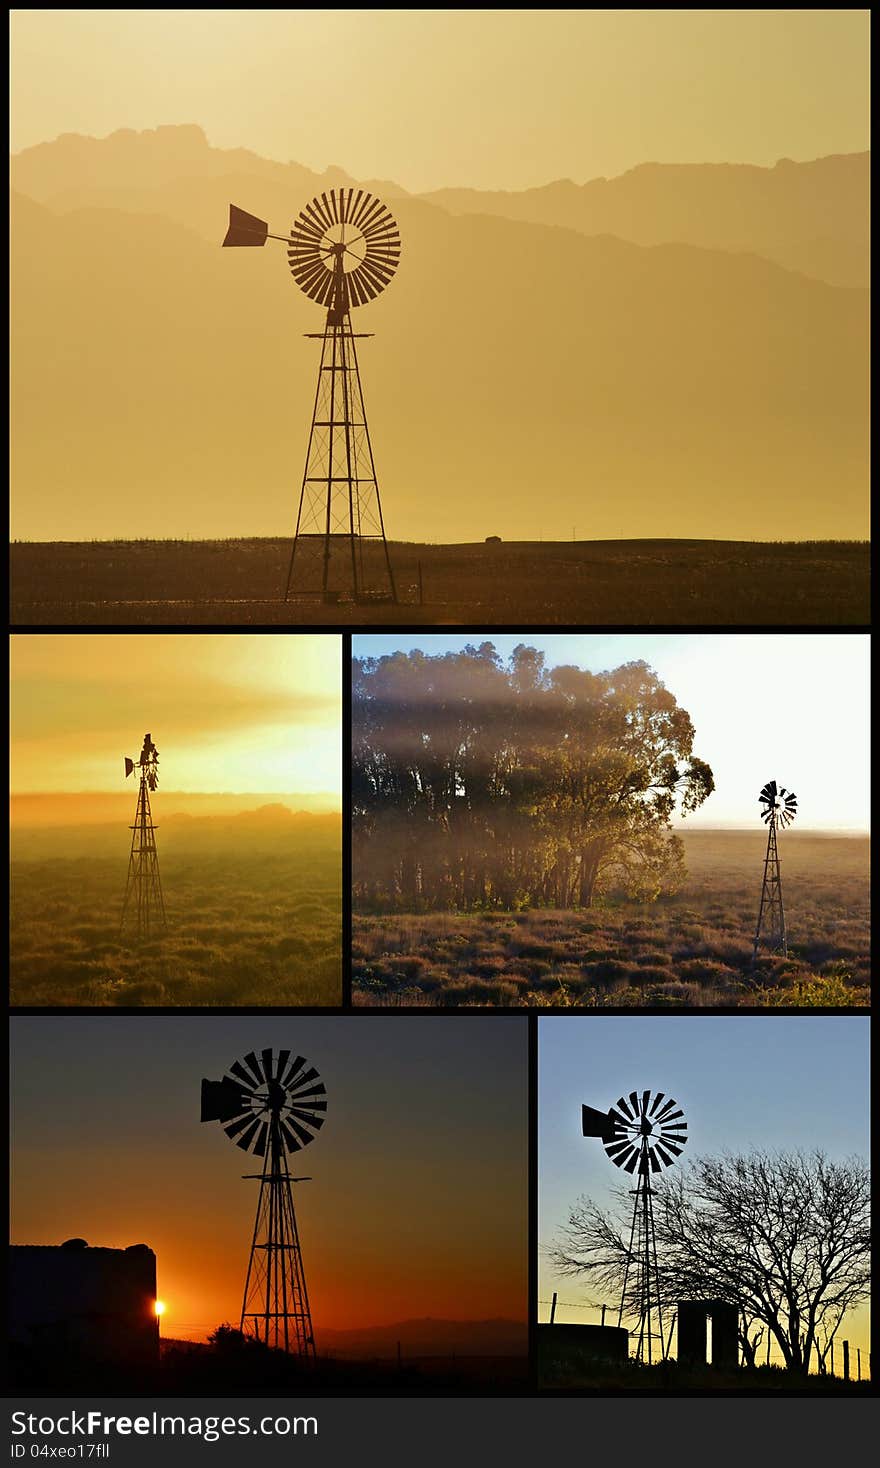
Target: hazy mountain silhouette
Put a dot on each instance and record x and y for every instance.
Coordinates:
(527, 377)
(45, 811)
(806, 216)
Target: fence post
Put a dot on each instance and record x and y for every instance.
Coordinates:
(846, 1360)
(859, 1361)
(603, 1314)
(553, 1308)
(832, 1355)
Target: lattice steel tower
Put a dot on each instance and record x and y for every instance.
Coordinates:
(778, 809)
(143, 907)
(343, 249)
(642, 1135)
(272, 1107)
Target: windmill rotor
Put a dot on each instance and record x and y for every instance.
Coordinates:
(777, 804)
(345, 231)
(643, 1130)
(259, 1093)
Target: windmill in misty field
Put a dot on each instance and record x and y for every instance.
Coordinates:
(343, 249)
(642, 1134)
(143, 907)
(778, 810)
(272, 1106)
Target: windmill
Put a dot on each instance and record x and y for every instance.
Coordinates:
(143, 907)
(778, 810)
(343, 249)
(642, 1134)
(272, 1107)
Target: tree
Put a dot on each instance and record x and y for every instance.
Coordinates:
(477, 783)
(784, 1236)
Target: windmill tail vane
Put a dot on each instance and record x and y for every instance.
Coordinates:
(272, 1105)
(343, 250)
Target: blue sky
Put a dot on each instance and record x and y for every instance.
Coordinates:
(788, 707)
(771, 1082)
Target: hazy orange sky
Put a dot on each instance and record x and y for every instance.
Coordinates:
(418, 1200)
(239, 713)
(491, 99)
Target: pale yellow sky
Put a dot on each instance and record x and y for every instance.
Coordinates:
(235, 713)
(490, 99)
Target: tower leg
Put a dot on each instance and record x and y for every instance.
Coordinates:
(275, 1305)
(339, 548)
(771, 914)
(143, 906)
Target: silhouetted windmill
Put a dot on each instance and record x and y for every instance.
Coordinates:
(343, 250)
(778, 809)
(143, 907)
(271, 1107)
(642, 1135)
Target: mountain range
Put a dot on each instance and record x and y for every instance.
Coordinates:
(678, 352)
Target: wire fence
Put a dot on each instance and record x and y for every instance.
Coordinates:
(842, 1359)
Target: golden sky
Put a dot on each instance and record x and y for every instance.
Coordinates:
(240, 713)
(491, 99)
(417, 1204)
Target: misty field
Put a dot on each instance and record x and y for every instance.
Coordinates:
(601, 583)
(247, 925)
(692, 950)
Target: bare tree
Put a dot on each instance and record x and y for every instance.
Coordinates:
(785, 1236)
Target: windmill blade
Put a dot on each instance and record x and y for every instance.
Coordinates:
(295, 1067)
(297, 1097)
(238, 1069)
(663, 1155)
(646, 1096)
(655, 1103)
(312, 1119)
(244, 1141)
(291, 1142)
(615, 1145)
(667, 1108)
(665, 1145)
(309, 1075)
(624, 1107)
(631, 1165)
(622, 1155)
(268, 1069)
(300, 1131)
(655, 1165)
(253, 1064)
(237, 1126)
(260, 1144)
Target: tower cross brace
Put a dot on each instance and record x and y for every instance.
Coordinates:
(275, 1307)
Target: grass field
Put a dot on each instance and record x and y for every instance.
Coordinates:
(603, 583)
(693, 950)
(247, 925)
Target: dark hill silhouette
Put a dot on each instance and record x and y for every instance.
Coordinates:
(559, 379)
(428, 1337)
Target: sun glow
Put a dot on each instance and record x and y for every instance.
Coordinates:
(159, 1307)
